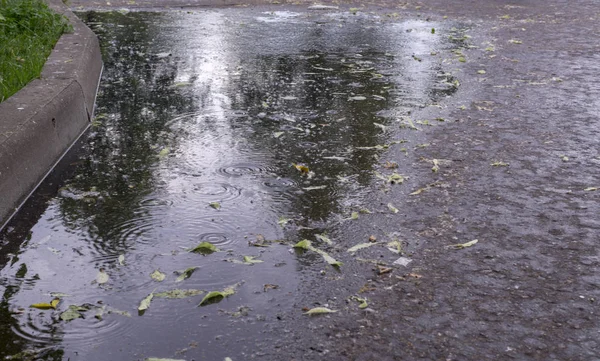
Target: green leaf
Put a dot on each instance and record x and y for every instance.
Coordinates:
(303, 244)
(121, 259)
(360, 246)
(500, 164)
(204, 248)
(146, 302)
(251, 260)
(332, 261)
(463, 245)
(362, 301)
(158, 276)
(319, 311)
(354, 215)
(73, 312)
(177, 293)
(395, 246)
(283, 221)
(186, 273)
(323, 238)
(215, 205)
(164, 152)
(392, 208)
(216, 296)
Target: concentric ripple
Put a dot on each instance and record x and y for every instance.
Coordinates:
(243, 169)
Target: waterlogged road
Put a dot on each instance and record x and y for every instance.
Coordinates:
(406, 132)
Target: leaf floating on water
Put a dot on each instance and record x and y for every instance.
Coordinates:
(301, 168)
(314, 188)
(319, 311)
(363, 301)
(278, 134)
(121, 259)
(354, 215)
(204, 248)
(164, 152)
(515, 41)
(481, 71)
(381, 126)
(269, 286)
(283, 221)
(158, 276)
(365, 211)
(251, 260)
(216, 296)
(378, 97)
(215, 205)
(500, 164)
(564, 158)
(463, 245)
(323, 238)
(357, 98)
(591, 189)
(178, 293)
(73, 312)
(146, 302)
(360, 246)
(46, 306)
(185, 274)
(102, 277)
(392, 208)
(260, 241)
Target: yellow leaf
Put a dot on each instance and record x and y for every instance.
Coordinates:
(302, 168)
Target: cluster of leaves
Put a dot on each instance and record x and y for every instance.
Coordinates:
(28, 32)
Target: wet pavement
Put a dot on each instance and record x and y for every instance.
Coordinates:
(405, 133)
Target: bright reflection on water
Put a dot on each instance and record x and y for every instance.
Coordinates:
(195, 108)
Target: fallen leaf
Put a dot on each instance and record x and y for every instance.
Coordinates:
(46, 306)
(319, 311)
(269, 286)
(215, 205)
(178, 293)
(216, 296)
(145, 302)
(73, 312)
(251, 260)
(314, 188)
(121, 259)
(303, 244)
(278, 134)
(392, 208)
(357, 98)
(323, 238)
(383, 270)
(395, 246)
(301, 168)
(362, 301)
(463, 245)
(515, 41)
(158, 276)
(259, 242)
(372, 239)
(164, 152)
(204, 248)
(185, 274)
(590, 189)
(436, 165)
(360, 246)
(500, 164)
(354, 215)
(283, 221)
(102, 277)
(419, 191)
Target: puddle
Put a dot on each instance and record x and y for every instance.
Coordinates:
(196, 108)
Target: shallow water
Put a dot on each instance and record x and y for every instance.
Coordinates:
(201, 107)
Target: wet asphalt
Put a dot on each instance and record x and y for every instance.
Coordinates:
(502, 147)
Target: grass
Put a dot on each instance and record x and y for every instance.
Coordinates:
(28, 32)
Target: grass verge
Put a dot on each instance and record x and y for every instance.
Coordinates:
(28, 32)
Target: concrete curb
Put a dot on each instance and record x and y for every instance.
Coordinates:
(41, 122)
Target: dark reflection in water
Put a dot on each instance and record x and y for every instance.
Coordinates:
(197, 108)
